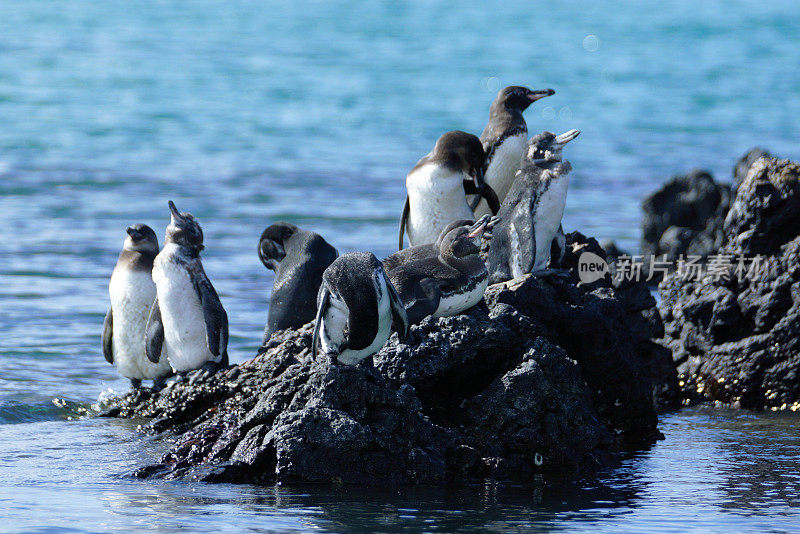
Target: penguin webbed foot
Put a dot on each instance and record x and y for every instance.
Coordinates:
(205, 372)
(159, 384)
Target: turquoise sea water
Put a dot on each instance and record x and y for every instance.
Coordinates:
(246, 113)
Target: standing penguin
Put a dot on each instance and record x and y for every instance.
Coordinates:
(298, 258)
(132, 293)
(532, 211)
(358, 308)
(187, 317)
(447, 282)
(438, 184)
(504, 139)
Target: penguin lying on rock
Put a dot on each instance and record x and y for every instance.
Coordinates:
(298, 258)
(530, 225)
(132, 293)
(187, 317)
(446, 281)
(437, 187)
(358, 308)
(504, 140)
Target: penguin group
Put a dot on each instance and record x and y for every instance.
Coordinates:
(500, 191)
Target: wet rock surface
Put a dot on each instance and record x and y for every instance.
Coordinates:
(546, 375)
(735, 333)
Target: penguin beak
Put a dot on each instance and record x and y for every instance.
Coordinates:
(566, 137)
(134, 233)
(477, 229)
(176, 215)
(533, 96)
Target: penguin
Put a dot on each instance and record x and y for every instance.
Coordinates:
(504, 140)
(438, 184)
(531, 213)
(357, 309)
(187, 316)
(299, 258)
(132, 293)
(448, 282)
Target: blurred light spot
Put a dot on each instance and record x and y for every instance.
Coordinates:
(548, 113)
(565, 114)
(591, 43)
(492, 84)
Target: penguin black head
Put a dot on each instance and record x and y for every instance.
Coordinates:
(465, 241)
(141, 238)
(548, 146)
(461, 151)
(517, 97)
(271, 246)
(184, 230)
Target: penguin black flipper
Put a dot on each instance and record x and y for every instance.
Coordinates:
(403, 221)
(154, 334)
(108, 330)
(400, 323)
(215, 318)
(428, 297)
(323, 301)
(486, 192)
(558, 248)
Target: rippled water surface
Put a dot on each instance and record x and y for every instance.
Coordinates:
(246, 113)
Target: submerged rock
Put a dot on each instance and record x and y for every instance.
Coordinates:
(548, 375)
(735, 332)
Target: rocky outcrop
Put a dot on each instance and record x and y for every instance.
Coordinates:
(735, 330)
(547, 375)
(685, 217)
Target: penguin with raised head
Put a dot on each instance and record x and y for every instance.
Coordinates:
(187, 317)
(530, 217)
(299, 258)
(357, 309)
(132, 293)
(438, 184)
(448, 282)
(504, 140)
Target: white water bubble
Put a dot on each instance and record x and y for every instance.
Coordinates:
(493, 84)
(548, 113)
(591, 43)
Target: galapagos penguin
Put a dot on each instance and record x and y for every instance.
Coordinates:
(448, 282)
(132, 293)
(299, 258)
(187, 316)
(421, 251)
(358, 308)
(532, 211)
(504, 140)
(438, 184)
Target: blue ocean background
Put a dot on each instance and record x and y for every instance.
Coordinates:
(246, 113)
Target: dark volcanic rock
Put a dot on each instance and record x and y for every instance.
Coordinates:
(736, 332)
(549, 375)
(744, 163)
(685, 217)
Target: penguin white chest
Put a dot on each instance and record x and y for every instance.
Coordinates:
(132, 294)
(504, 163)
(459, 301)
(436, 198)
(549, 210)
(181, 314)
